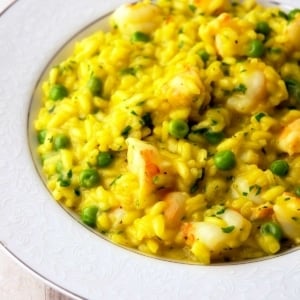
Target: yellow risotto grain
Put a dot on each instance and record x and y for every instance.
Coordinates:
(180, 127)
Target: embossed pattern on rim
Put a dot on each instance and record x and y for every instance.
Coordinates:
(43, 236)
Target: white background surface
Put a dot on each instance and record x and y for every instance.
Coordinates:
(16, 283)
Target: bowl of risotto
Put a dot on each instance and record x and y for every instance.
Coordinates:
(154, 145)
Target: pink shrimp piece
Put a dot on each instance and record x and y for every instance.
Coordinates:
(289, 138)
(175, 208)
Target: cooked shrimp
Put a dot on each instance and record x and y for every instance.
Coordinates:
(116, 216)
(143, 160)
(225, 33)
(263, 211)
(287, 213)
(183, 87)
(175, 208)
(289, 138)
(142, 17)
(251, 183)
(228, 229)
(254, 95)
(264, 88)
(152, 170)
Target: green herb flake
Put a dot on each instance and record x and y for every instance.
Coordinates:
(241, 88)
(228, 229)
(64, 181)
(259, 116)
(221, 211)
(255, 187)
(70, 174)
(128, 71)
(147, 120)
(283, 15)
(214, 122)
(293, 87)
(195, 186)
(203, 55)
(141, 103)
(77, 192)
(139, 36)
(51, 109)
(192, 8)
(133, 113)
(275, 50)
(115, 179)
(125, 132)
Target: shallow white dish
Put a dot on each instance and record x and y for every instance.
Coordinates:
(44, 237)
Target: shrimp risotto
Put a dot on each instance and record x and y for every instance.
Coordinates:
(177, 132)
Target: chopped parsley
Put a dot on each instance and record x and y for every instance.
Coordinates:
(256, 188)
(147, 120)
(241, 88)
(77, 192)
(125, 132)
(221, 211)
(115, 179)
(128, 71)
(192, 8)
(259, 116)
(228, 229)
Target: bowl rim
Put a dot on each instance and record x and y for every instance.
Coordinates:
(24, 257)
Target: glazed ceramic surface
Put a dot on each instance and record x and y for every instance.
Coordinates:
(43, 235)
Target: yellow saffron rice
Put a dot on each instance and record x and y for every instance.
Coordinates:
(177, 133)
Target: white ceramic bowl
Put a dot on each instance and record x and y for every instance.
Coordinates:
(43, 236)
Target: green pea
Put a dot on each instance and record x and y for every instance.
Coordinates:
(95, 85)
(104, 159)
(256, 48)
(279, 167)
(178, 128)
(214, 137)
(89, 178)
(272, 228)
(139, 36)
(89, 215)
(263, 28)
(60, 141)
(41, 136)
(58, 92)
(225, 160)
